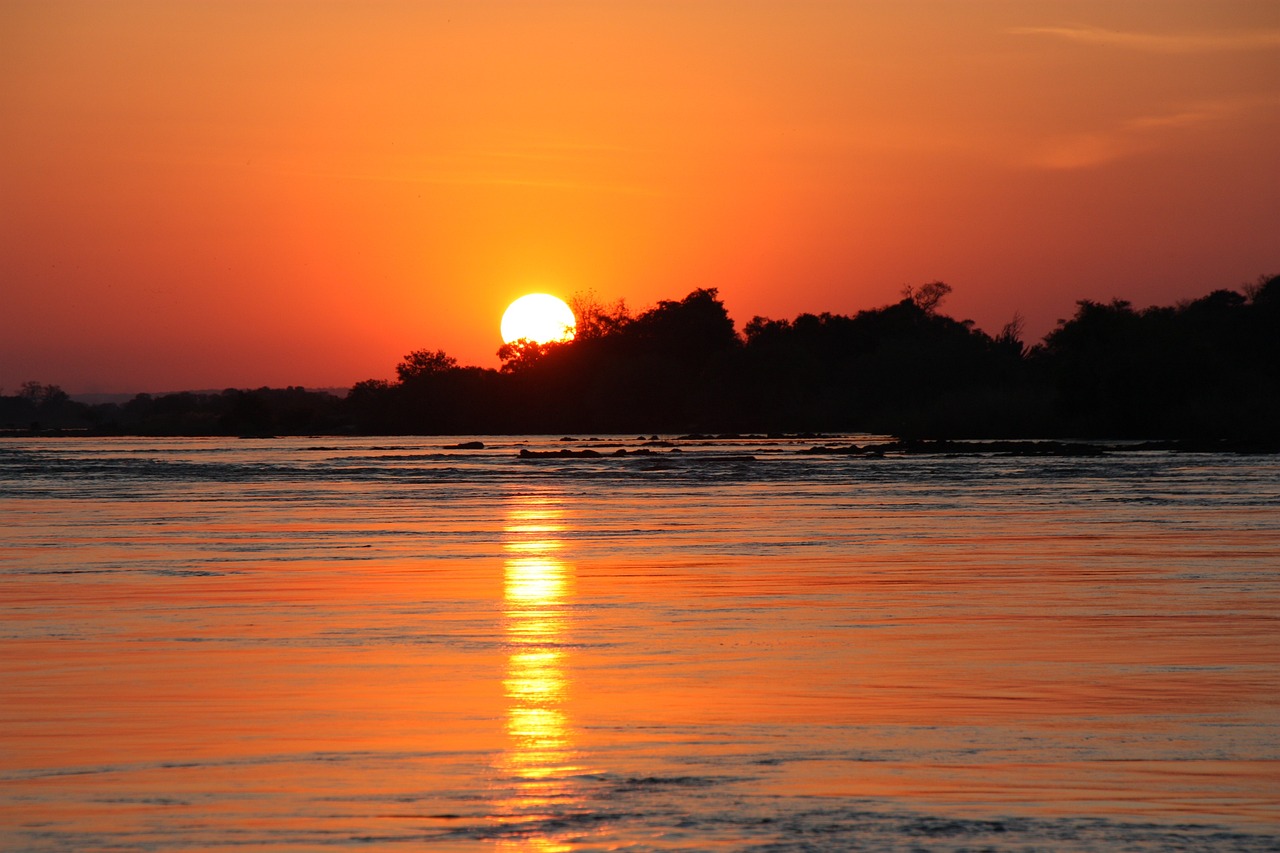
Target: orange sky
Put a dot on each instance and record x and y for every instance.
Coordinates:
(205, 195)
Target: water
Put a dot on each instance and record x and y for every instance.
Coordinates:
(383, 644)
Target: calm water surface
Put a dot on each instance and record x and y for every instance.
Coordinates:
(385, 644)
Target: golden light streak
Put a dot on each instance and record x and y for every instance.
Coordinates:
(542, 759)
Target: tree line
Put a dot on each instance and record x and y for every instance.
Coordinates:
(1207, 368)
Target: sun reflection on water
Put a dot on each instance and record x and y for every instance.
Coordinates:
(541, 762)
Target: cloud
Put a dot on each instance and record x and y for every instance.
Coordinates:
(1138, 135)
(1080, 151)
(1266, 39)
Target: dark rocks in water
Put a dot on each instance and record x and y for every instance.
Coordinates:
(850, 450)
(466, 445)
(1002, 448)
(1040, 448)
(937, 447)
(566, 453)
(965, 448)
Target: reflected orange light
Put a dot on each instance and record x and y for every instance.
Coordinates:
(541, 760)
(532, 582)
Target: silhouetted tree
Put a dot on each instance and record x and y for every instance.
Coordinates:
(1010, 336)
(38, 406)
(1205, 368)
(422, 363)
(927, 297)
(595, 320)
(690, 330)
(41, 395)
(523, 354)
(370, 408)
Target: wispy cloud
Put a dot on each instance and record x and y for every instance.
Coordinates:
(1080, 151)
(1266, 39)
(1138, 135)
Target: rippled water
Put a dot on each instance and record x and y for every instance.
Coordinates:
(384, 644)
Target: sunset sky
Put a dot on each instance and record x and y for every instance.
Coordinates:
(217, 194)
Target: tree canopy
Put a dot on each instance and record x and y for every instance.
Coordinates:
(1205, 368)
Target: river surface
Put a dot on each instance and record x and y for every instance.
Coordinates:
(384, 644)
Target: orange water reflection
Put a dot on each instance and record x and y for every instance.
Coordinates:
(542, 761)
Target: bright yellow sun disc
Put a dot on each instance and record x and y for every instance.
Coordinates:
(538, 317)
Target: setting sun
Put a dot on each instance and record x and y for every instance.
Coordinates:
(538, 317)
(559, 422)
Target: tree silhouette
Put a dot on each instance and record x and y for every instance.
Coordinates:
(43, 396)
(594, 319)
(522, 354)
(927, 297)
(1206, 368)
(422, 363)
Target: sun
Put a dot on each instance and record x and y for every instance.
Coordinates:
(538, 317)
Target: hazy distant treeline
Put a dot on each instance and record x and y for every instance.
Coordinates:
(1207, 368)
(265, 411)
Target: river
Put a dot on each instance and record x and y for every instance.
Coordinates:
(320, 643)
